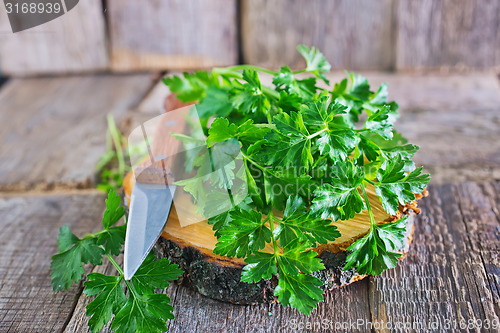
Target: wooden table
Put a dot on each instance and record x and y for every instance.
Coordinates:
(52, 135)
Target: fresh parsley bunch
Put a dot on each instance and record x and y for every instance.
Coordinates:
(320, 147)
(141, 309)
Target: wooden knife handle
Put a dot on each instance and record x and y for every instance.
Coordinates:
(164, 151)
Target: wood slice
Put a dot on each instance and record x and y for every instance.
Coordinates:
(218, 277)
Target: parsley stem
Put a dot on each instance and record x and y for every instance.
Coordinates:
(113, 261)
(372, 218)
(249, 159)
(369, 181)
(270, 92)
(116, 137)
(119, 269)
(317, 133)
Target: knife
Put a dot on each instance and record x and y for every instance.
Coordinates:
(152, 195)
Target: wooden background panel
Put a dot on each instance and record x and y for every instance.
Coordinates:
(56, 129)
(454, 119)
(448, 33)
(351, 34)
(172, 34)
(74, 42)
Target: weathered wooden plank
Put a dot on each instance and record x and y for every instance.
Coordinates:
(74, 42)
(30, 225)
(57, 127)
(447, 33)
(444, 280)
(453, 118)
(479, 208)
(196, 313)
(439, 92)
(172, 34)
(351, 34)
(341, 308)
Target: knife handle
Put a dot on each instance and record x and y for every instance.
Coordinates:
(164, 151)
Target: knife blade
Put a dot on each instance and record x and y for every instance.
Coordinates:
(150, 206)
(152, 195)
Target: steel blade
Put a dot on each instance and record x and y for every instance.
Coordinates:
(149, 208)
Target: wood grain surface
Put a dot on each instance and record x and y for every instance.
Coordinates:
(30, 225)
(447, 34)
(57, 127)
(351, 34)
(172, 34)
(74, 42)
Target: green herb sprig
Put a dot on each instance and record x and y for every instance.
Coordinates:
(112, 165)
(141, 309)
(324, 145)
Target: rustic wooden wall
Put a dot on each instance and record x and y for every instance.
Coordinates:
(448, 33)
(173, 34)
(74, 42)
(132, 35)
(351, 33)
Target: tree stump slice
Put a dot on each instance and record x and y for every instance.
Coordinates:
(218, 277)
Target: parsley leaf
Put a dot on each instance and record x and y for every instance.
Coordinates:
(140, 309)
(248, 98)
(154, 274)
(244, 234)
(221, 130)
(247, 132)
(192, 87)
(289, 145)
(297, 223)
(278, 186)
(66, 238)
(340, 199)
(297, 258)
(381, 122)
(299, 291)
(286, 81)
(113, 239)
(337, 142)
(109, 301)
(315, 62)
(67, 266)
(380, 97)
(147, 313)
(375, 252)
(215, 103)
(320, 112)
(260, 265)
(395, 186)
(337, 139)
(114, 211)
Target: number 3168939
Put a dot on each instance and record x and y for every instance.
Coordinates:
(33, 8)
